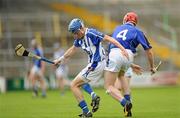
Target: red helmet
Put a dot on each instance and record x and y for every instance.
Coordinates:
(130, 17)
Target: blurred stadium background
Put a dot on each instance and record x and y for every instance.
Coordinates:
(47, 21)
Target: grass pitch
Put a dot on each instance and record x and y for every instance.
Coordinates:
(161, 102)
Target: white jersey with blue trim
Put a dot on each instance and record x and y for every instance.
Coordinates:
(91, 44)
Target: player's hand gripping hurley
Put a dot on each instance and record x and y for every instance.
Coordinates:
(21, 51)
(154, 70)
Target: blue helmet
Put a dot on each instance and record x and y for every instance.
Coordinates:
(75, 25)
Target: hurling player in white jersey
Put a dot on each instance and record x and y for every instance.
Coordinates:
(89, 40)
(62, 70)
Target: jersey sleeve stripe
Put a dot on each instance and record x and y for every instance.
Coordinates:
(96, 35)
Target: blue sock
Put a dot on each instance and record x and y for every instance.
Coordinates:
(84, 106)
(123, 102)
(89, 90)
(127, 97)
(93, 95)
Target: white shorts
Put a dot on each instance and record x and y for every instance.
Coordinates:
(93, 75)
(36, 71)
(129, 72)
(117, 61)
(61, 72)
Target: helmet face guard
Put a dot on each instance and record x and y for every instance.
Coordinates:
(75, 25)
(130, 17)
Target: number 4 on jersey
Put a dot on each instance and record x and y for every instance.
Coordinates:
(122, 34)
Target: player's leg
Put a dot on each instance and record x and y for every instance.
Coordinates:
(123, 80)
(121, 86)
(43, 86)
(94, 76)
(75, 88)
(118, 84)
(126, 90)
(33, 79)
(87, 88)
(128, 75)
(95, 98)
(111, 73)
(116, 62)
(60, 83)
(34, 86)
(41, 79)
(60, 80)
(110, 78)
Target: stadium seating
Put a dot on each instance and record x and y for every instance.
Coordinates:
(22, 25)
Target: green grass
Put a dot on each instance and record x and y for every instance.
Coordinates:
(161, 102)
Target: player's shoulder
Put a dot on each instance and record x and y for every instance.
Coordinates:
(93, 32)
(77, 42)
(138, 29)
(125, 26)
(139, 32)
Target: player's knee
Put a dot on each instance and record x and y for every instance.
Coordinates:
(73, 85)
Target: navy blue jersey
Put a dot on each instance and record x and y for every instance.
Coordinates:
(91, 44)
(130, 37)
(38, 52)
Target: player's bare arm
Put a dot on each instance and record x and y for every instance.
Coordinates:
(66, 55)
(70, 52)
(150, 57)
(112, 40)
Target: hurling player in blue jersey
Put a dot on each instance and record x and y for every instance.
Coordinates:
(90, 41)
(37, 71)
(129, 36)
